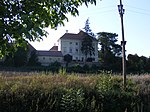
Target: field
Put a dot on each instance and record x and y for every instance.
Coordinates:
(62, 92)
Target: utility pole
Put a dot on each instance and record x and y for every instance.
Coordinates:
(123, 43)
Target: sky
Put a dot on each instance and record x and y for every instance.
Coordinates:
(104, 17)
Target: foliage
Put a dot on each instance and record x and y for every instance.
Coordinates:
(138, 64)
(90, 59)
(26, 19)
(33, 59)
(87, 47)
(75, 69)
(8, 61)
(68, 59)
(21, 57)
(110, 51)
(69, 93)
(72, 101)
(111, 88)
(83, 69)
(88, 29)
(55, 66)
(62, 71)
(108, 44)
(87, 42)
(18, 58)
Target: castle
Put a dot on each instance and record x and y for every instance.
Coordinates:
(70, 44)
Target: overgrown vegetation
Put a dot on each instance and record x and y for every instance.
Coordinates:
(34, 92)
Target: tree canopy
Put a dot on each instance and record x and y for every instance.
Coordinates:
(33, 59)
(87, 28)
(18, 58)
(110, 52)
(108, 43)
(67, 59)
(22, 20)
(87, 42)
(138, 64)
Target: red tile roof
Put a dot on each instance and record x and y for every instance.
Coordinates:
(54, 48)
(50, 53)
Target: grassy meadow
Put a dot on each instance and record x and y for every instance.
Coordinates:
(62, 92)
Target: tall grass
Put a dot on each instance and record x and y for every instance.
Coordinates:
(62, 92)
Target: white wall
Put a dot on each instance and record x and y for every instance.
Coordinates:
(46, 60)
(73, 47)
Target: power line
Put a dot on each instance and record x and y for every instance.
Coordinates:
(105, 7)
(137, 12)
(101, 10)
(147, 10)
(98, 12)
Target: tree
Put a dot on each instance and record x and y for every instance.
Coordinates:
(55, 66)
(87, 28)
(68, 59)
(26, 19)
(9, 60)
(133, 63)
(33, 59)
(138, 64)
(87, 47)
(20, 57)
(110, 51)
(87, 42)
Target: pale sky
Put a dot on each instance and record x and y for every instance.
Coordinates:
(105, 17)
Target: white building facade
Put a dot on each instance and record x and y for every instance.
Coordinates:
(48, 57)
(71, 44)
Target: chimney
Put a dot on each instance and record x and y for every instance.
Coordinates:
(66, 31)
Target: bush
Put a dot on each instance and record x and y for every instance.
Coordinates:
(55, 66)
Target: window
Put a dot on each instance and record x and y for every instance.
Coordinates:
(70, 50)
(76, 58)
(43, 58)
(70, 42)
(76, 43)
(64, 49)
(77, 50)
(49, 58)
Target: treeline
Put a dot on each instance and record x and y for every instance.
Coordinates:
(109, 59)
(22, 57)
(138, 64)
(135, 64)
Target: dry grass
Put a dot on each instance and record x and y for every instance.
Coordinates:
(68, 80)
